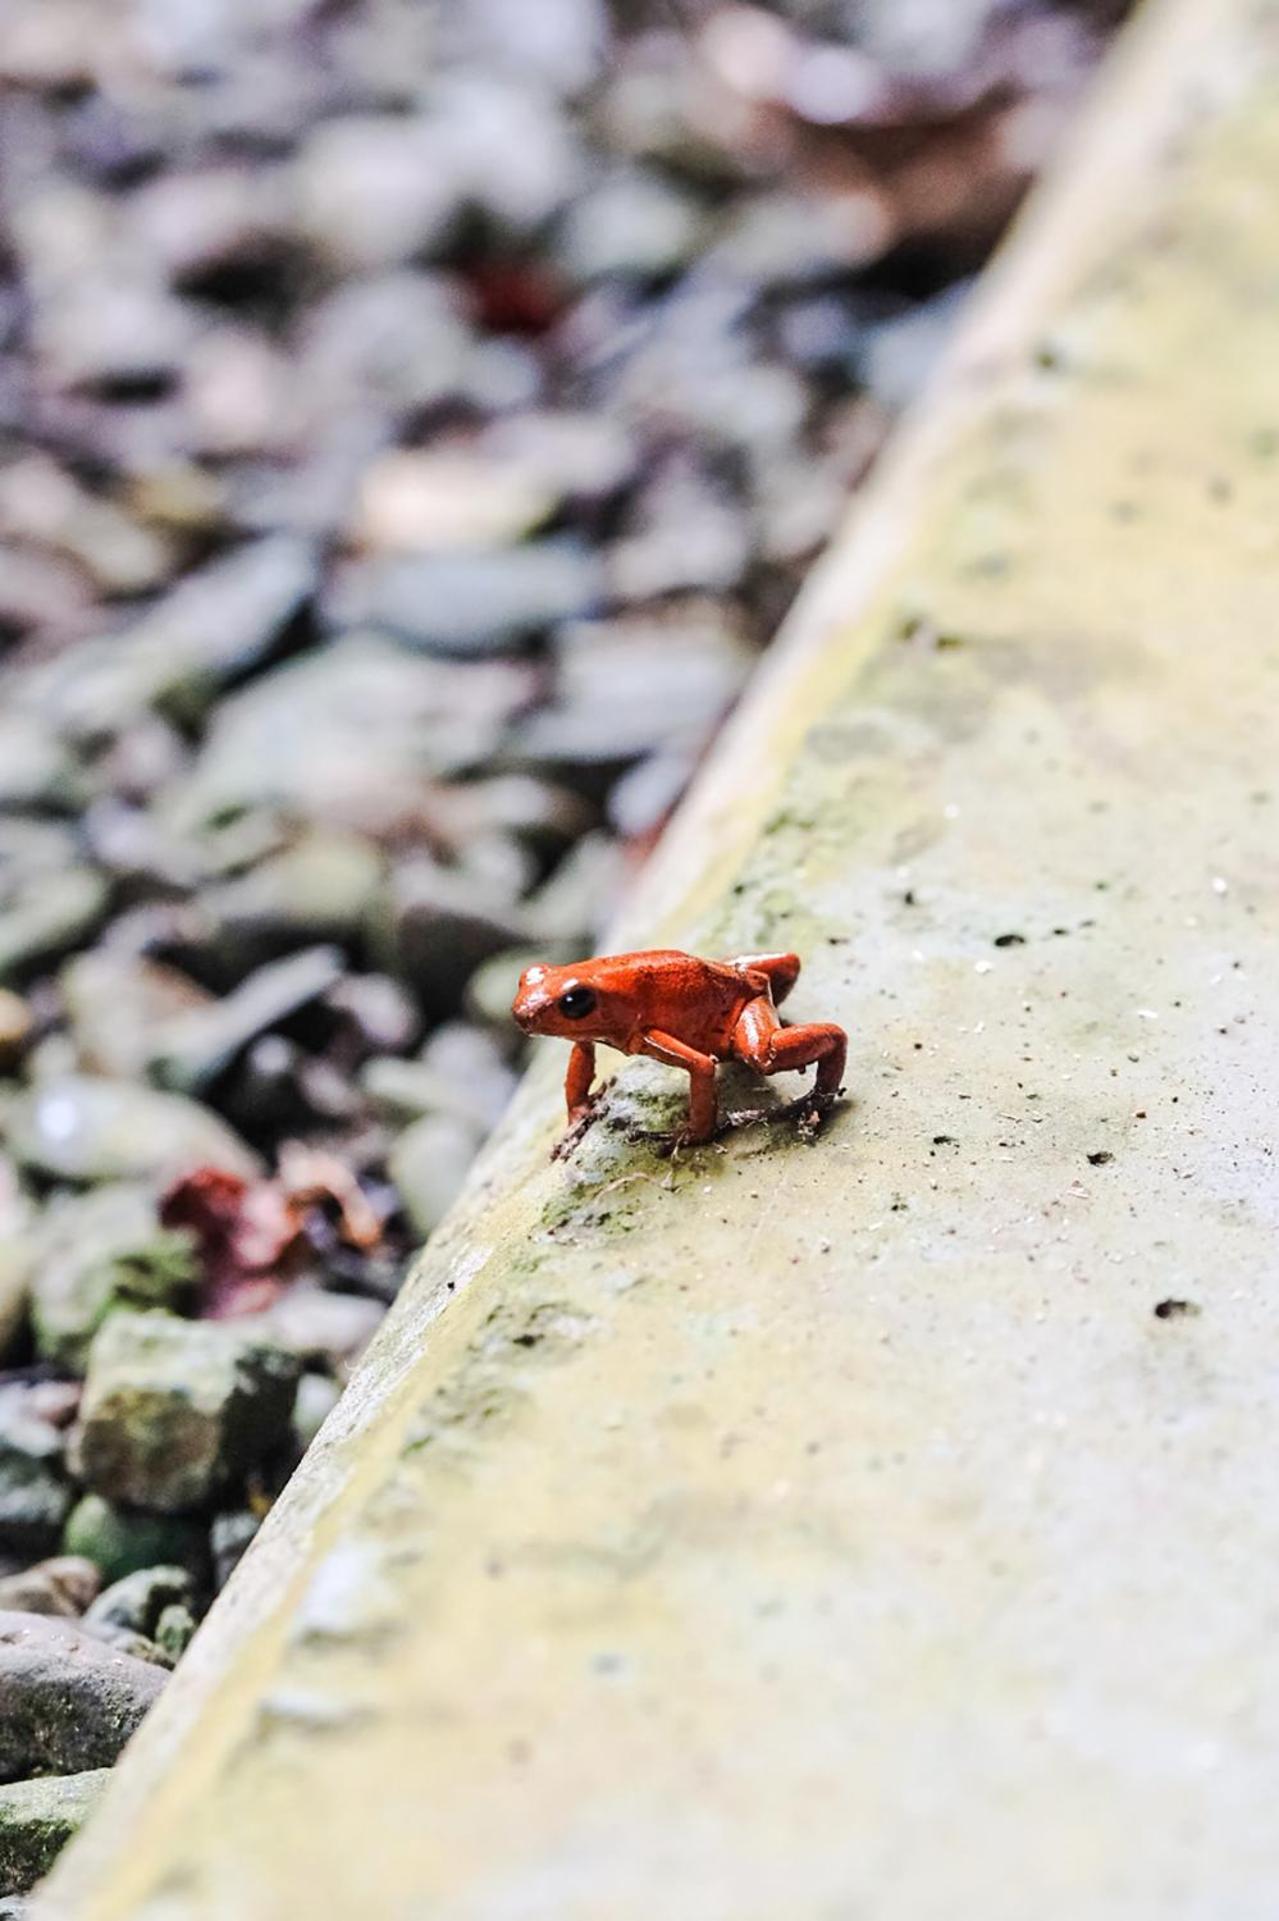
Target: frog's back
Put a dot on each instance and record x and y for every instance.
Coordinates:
(695, 1000)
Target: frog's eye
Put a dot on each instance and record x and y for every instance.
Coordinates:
(577, 1003)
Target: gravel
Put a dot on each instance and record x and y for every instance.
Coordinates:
(413, 423)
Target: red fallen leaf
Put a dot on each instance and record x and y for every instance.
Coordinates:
(513, 296)
(247, 1233)
(309, 1177)
(252, 1235)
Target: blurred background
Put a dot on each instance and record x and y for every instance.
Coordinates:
(414, 420)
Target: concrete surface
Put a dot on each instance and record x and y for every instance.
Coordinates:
(883, 1530)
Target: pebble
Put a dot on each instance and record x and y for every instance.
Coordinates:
(637, 682)
(440, 501)
(115, 1001)
(194, 1048)
(175, 1411)
(174, 1631)
(118, 1540)
(428, 1163)
(85, 1130)
(491, 988)
(436, 925)
(471, 603)
(97, 1252)
(37, 1819)
(35, 1494)
(633, 224)
(318, 1395)
(229, 1539)
(64, 1585)
(48, 917)
(354, 736)
(71, 1702)
(374, 191)
(136, 1601)
(216, 623)
(397, 342)
(317, 1326)
(319, 888)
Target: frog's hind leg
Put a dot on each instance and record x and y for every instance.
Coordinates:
(780, 970)
(762, 1042)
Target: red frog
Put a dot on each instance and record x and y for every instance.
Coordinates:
(687, 1012)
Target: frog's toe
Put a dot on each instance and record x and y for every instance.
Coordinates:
(582, 1119)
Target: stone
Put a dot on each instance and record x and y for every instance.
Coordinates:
(428, 1163)
(508, 150)
(17, 1264)
(48, 917)
(491, 988)
(440, 500)
(899, 354)
(100, 1251)
(64, 1585)
(174, 1631)
(38, 1818)
(643, 798)
(41, 502)
(633, 224)
(218, 621)
(193, 1049)
(199, 222)
(118, 1540)
(125, 1641)
(686, 534)
(354, 736)
(70, 1701)
(35, 1495)
(229, 1539)
(379, 1012)
(574, 906)
(403, 1091)
(36, 768)
(471, 603)
(136, 1601)
(98, 334)
(318, 1395)
(116, 1001)
(374, 190)
(318, 1326)
(176, 1411)
(638, 682)
(240, 392)
(79, 1129)
(475, 1067)
(396, 342)
(41, 592)
(581, 457)
(560, 42)
(790, 239)
(319, 888)
(436, 924)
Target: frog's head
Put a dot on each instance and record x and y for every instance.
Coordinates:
(561, 1000)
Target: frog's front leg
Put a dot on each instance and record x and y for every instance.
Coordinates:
(577, 1081)
(583, 1106)
(700, 1068)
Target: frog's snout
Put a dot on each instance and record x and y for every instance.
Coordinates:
(531, 999)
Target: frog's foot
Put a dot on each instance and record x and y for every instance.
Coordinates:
(584, 1118)
(670, 1142)
(810, 1110)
